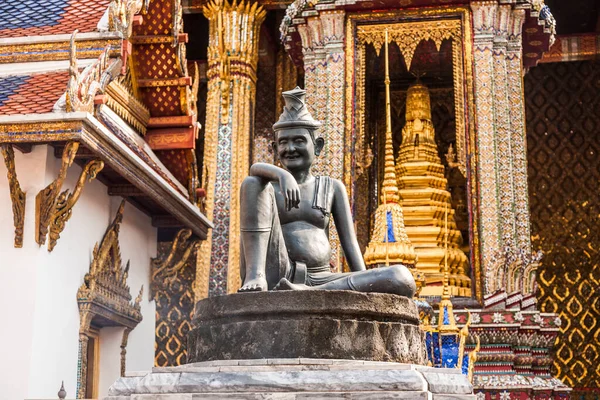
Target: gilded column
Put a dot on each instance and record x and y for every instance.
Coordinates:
(232, 62)
(514, 63)
(484, 13)
(502, 124)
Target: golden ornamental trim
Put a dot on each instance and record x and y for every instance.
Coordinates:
(408, 35)
(124, 103)
(66, 201)
(17, 196)
(165, 270)
(46, 199)
(233, 43)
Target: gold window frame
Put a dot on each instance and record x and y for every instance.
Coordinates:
(408, 28)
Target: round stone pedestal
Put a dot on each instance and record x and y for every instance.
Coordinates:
(307, 324)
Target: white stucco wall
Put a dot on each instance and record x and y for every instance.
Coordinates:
(38, 289)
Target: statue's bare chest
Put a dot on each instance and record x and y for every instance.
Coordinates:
(305, 212)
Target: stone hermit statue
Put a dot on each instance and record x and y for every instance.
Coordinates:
(285, 216)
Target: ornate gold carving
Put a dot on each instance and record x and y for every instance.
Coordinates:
(17, 196)
(426, 200)
(190, 156)
(82, 87)
(46, 199)
(124, 103)
(164, 271)
(463, 335)
(66, 201)
(408, 35)
(233, 43)
(104, 298)
(473, 355)
(121, 12)
(55, 51)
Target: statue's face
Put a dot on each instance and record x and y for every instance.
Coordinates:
(296, 149)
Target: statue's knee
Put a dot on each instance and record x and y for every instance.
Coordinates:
(251, 186)
(402, 279)
(251, 182)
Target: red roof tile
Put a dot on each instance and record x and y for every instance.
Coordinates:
(37, 94)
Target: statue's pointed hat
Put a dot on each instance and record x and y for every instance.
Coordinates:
(295, 113)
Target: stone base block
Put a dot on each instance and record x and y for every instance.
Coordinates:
(293, 379)
(307, 324)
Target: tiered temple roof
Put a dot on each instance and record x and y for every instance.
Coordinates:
(111, 75)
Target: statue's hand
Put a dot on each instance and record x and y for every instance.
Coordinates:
(289, 190)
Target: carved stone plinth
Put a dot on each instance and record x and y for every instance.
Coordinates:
(294, 379)
(311, 324)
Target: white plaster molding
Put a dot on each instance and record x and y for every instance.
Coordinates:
(59, 38)
(28, 68)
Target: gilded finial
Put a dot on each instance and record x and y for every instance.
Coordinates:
(390, 184)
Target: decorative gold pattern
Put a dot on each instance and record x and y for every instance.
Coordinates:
(127, 106)
(425, 200)
(173, 273)
(408, 35)
(564, 180)
(104, 297)
(55, 51)
(65, 202)
(165, 270)
(45, 201)
(17, 196)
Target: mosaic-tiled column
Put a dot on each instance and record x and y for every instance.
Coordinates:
(232, 62)
(484, 13)
(514, 64)
(502, 127)
(324, 74)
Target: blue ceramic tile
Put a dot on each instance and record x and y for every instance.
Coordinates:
(9, 85)
(31, 13)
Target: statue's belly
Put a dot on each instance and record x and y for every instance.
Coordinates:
(307, 243)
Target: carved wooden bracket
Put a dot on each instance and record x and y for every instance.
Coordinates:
(17, 196)
(46, 198)
(164, 270)
(53, 208)
(65, 201)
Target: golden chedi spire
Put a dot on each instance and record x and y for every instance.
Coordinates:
(422, 190)
(389, 242)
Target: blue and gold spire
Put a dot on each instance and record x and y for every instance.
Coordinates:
(389, 242)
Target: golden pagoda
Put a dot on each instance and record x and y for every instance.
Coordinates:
(389, 241)
(422, 189)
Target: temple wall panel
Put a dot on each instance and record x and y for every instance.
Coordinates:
(42, 320)
(564, 178)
